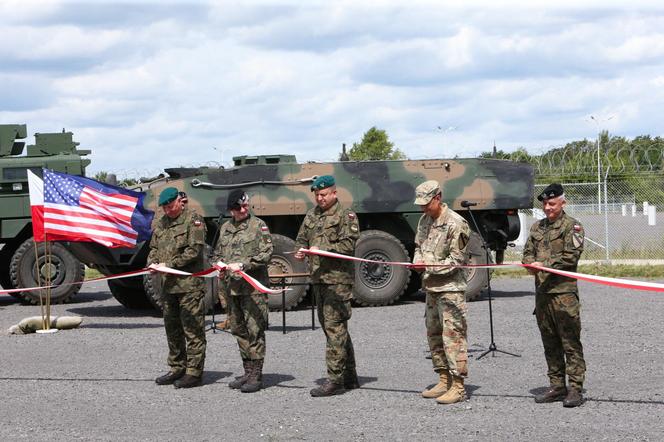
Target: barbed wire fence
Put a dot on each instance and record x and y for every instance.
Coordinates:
(619, 203)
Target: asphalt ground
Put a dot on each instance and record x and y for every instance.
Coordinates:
(97, 382)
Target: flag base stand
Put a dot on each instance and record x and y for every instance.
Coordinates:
(47, 331)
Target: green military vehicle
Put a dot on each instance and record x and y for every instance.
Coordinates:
(55, 151)
(380, 192)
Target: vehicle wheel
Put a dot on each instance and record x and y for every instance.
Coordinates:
(5, 272)
(378, 284)
(477, 279)
(64, 269)
(284, 263)
(130, 292)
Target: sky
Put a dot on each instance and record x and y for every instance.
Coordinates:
(155, 84)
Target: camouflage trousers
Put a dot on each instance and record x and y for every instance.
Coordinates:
(334, 311)
(184, 321)
(447, 331)
(559, 321)
(248, 318)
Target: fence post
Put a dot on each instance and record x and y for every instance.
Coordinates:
(624, 209)
(652, 215)
(606, 219)
(633, 209)
(645, 207)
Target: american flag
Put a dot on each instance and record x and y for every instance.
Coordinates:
(80, 209)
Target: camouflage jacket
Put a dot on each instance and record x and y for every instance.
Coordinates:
(179, 243)
(442, 241)
(335, 230)
(248, 242)
(557, 245)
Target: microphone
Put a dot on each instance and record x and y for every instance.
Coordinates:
(465, 203)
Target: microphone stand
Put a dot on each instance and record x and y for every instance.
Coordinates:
(492, 346)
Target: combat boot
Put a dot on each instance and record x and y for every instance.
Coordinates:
(240, 380)
(444, 384)
(169, 377)
(188, 381)
(350, 380)
(327, 389)
(456, 393)
(573, 398)
(552, 394)
(255, 380)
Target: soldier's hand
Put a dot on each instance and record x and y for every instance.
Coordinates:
(534, 271)
(299, 255)
(235, 266)
(156, 266)
(419, 267)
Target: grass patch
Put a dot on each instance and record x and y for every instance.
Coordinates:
(92, 273)
(608, 270)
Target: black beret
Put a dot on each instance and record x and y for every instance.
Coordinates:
(236, 198)
(551, 191)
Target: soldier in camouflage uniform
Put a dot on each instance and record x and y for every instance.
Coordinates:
(557, 242)
(178, 241)
(442, 237)
(330, 227)
(245, 244)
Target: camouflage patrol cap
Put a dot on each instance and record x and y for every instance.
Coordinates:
(551, 191)
(167, 195)
(236, 198)
(426, 191)
(322, 182)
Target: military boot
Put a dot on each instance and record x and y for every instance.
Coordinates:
(240, 380)
(552, 394)
(574, 398)
(255, 380)
(327, 389)
(169, 377)
(350, 380)
(456, 393)
(188, 381)
(444, 384)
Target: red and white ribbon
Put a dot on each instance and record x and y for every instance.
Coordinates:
(611, 282)
(212, 272)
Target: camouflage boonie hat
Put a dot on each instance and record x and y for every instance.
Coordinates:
(322, 182)
(426, 191)
(167, 195)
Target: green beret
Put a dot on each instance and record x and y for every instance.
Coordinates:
(167, 195)
(322, 182)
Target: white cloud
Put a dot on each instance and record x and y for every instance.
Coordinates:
(165, 84)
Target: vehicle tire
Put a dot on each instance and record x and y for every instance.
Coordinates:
(477, 279)
(66, 271)
(378, 284)
(283, 262)
(130, 292)
(5, 270)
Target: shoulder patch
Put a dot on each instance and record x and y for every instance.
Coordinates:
(198, 223)
(264, 229)
(351, 215)
(577, 228)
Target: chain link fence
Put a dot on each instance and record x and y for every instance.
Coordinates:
(623, 219)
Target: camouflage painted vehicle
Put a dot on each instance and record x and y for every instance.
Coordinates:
(55, 151)
(380, 192)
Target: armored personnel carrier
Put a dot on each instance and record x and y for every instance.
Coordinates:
(18, 262)
(380, 192)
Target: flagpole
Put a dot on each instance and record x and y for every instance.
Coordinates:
(41, 292)
(48, 282)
